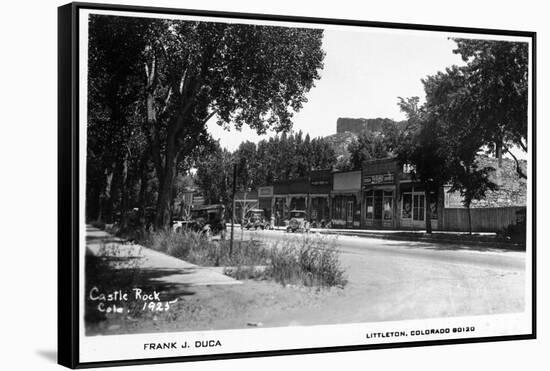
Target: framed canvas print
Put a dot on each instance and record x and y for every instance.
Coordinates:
(236, 185)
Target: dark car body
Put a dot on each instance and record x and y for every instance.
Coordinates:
(255, 219)
(207, 219)
(298, 222)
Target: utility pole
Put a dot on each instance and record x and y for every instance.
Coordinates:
(233, 209)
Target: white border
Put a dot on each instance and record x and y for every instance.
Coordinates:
(130, 347)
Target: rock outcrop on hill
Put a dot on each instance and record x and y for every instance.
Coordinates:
(340, 142)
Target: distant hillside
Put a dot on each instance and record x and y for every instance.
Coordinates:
(348, 129)
(339, 143)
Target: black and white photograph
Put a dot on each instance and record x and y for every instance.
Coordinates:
(262, 184)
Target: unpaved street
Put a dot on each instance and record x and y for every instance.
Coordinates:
(387, 280)
(393, 280)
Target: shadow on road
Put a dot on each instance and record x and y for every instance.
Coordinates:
(448, 246)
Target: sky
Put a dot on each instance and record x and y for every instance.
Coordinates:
(364, 74)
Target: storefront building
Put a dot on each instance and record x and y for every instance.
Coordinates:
(320, 185)
(392, 200)
(310, 194)
(346, 199)
(383, 195)
(298, 194)
(265, 200)
(280, 202)
(380, 186)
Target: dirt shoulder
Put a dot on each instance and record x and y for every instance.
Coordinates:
(219, 307)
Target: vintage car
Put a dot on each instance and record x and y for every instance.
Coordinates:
(255, 219)
(298, 222)
(319, 223)
(209, 220)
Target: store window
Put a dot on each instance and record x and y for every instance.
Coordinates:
(407, 206)
(369, 203)
(339, 208)
(378, 204)
(433, 208)
(387, 213)
(418, 207)
(349, 211)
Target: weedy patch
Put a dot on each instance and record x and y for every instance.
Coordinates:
(308, 260)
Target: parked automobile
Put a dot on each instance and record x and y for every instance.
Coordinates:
(319, 223)
(208, 220)
(255, 219)
(298, 222)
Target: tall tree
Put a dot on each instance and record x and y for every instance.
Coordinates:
(369, 146)
(449, 98)
(423, 146)
(497, 77)
(214, 175)
(194, 71)
(242, 74)
(114, 137)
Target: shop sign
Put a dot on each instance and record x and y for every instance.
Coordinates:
(319, 182)
(198, 200)
(265, 191)
(378, 179)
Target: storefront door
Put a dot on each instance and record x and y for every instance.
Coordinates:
(418, 209)
(413, 210)
(349, 214)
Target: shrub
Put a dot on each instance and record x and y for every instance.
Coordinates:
(310, 261)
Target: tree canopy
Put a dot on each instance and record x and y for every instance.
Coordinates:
(177, 75)
(496, 78)
(286, 156)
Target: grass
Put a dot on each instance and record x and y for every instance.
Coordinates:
(309, 260)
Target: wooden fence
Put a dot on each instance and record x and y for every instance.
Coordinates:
(490, 219)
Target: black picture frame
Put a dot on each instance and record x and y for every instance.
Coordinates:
(69, 190)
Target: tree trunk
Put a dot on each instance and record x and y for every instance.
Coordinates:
(428, 211)
(99, 218)
(143, 173)
(519, 170)
(106, 199)
(166, 182)
(469, 219)
(498, 152)
(124, 193)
